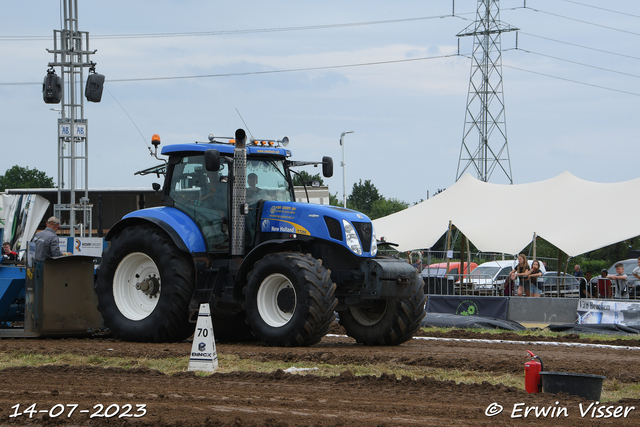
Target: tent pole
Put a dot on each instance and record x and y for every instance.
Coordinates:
(461, 270)
(535, 237)
(448, 245)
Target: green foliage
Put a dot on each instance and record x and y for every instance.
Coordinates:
(363, 196)
(384, 207)
(333, 200)
(19, 177)
(307, 178)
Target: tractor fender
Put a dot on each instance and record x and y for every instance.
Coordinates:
(184, 232)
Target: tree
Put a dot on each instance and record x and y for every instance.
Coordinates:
(363, 196)
(384, 207)
(306, 177)
(19, 177)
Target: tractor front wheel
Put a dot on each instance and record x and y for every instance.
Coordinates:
(289, 299)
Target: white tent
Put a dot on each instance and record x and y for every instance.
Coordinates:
(575, 215)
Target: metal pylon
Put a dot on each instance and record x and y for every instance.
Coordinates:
(71, 53)
(484, 139)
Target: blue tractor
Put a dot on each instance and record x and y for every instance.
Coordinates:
(231, 234)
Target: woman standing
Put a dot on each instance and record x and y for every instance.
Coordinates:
(522, 271)
(534, 274)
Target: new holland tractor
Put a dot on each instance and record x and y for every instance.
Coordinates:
(230, 234)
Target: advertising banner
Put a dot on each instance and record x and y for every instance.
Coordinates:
(618, 312)
(22, 215)
(495, 307)
(85, 246)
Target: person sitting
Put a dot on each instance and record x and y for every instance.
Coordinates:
(7, 253)
(254, 194)
(587, 290)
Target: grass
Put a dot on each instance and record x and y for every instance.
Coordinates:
(612, 389)
(533, 333)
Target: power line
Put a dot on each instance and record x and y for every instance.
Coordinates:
(584, 22)
(601, 8)
(248, 73)
(581, 46)
(577, 63)
(246, 31)
(572, 81)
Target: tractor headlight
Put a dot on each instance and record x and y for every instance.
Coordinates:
(374, 243)
(352, 238)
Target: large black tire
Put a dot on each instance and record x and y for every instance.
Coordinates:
(289, 299)
(158, 311)
(389, 322)
(230, 324)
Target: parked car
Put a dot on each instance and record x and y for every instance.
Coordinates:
(440, 269)
(491, 275)
(632, 282)
(437, 281)
(552, 281)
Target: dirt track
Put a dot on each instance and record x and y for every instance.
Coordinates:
(282, 399)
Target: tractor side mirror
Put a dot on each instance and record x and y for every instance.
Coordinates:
(327, 167)
(212, 160)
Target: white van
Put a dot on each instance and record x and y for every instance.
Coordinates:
(492, 274)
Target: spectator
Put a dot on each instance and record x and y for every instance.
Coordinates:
(7, 253)
(619, 282)
(604, 285)
(578, 272)
(534, 275)
(586, 286)
(47, 241)
(636, 271)
(521, 272)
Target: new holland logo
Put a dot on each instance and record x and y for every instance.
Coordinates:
(202, 346)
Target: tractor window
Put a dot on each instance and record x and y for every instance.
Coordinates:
(266, 180)
(203, 196)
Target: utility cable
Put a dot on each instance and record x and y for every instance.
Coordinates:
(601, 8)
(576, 63)
(248, 73)
(246, 31)
(580, 46)
(584, 22)
(572, 81)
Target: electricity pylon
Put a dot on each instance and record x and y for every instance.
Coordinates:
(484, 139)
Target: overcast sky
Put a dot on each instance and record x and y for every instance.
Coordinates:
(571, 89)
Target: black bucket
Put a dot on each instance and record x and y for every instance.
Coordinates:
(583, 385)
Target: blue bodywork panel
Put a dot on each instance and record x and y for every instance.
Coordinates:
(175, 220)
(307, 219)
(12, 282)
(223, 149)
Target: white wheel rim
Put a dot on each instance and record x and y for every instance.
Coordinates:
(270, 310)
(368, 316)
(136, 302)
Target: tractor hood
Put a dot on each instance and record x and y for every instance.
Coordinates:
(343, 226)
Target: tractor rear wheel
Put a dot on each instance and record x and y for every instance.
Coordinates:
(289, 299)
(387, 322)
(144, 287)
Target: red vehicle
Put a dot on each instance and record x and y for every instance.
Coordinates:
(440, 269)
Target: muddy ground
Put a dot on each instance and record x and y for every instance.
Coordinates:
(281, 399)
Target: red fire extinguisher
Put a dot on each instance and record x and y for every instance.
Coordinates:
(532, 379)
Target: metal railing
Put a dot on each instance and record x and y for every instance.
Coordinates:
(550, 286)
